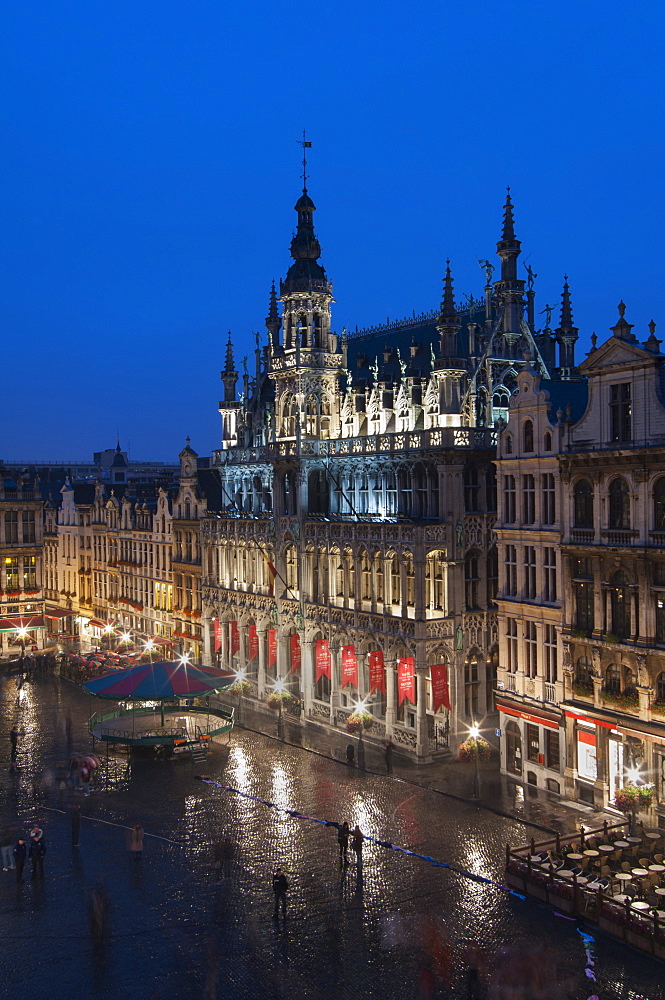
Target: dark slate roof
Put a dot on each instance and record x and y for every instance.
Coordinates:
(573, 393)
(84, 493)
(211, 487)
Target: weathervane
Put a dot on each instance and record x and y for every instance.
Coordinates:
(305, 146)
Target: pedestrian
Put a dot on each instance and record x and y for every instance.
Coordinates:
(98, 914)
(389, 756)
(76, 824)
(13, 737)
(343, 833)
(280, 887)
(136, 843)
(20, 851)
(357, 844)
(6, 848)
(350, 753)
(37, 853)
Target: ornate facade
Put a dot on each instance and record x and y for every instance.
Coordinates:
(582, 595)
(358, 500)
(22, 623)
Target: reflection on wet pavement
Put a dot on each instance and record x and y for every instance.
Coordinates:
(193, 918)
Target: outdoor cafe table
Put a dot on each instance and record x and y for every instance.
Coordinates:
(653, 836)
(660, 891)
(657, 868)
(590, 854)
(634, 840)
(575, 857)
(565, 873)
(606, 848)
(621, 843)
(640, 904)
(639, 872)
(623, 877)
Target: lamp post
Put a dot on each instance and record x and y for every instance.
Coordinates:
(149, 646)
(360, 707)
(22, 633)
(279, 688)
(474, 733)
(633, 775)
(240, 677)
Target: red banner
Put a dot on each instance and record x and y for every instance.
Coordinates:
(253, 642)
(377, 672)
(235, 638)
(272, 647)
(296, 657)
(349, 666)
(217, 628)
(440, 692)
(405, 680)
(322, 659)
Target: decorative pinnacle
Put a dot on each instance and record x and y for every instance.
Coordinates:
(508, 221)
(566, 321)
(622, 308)
(652, 328)
(228, 367)
(448, 301)
(272, 310)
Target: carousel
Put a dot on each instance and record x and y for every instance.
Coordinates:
(162, 705)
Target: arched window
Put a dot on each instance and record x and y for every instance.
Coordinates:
(583, 501)
(619, 504)
(317, 492)
(509, 444)
(312, 417)
(471, 580)
(659, 505)
(584, 671)
(527, 436)
(471, 489)
(547, 441)
(471, 686)
(289, 415)
(613, 678)
(660, 688)
(620, 605)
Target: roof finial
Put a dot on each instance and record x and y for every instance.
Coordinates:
(229, 355)
(305, 146)
(566, 321)
(508, 221)
(448, 300)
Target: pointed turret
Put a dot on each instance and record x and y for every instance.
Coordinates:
(510, 289)
(273, 322)
(447, 325)
(229, 376)
(566, 332)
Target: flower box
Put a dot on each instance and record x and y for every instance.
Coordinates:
(475, 748)
(623, 699)
(583, 690)
(359, 722)
(658, 708)
(277, 698)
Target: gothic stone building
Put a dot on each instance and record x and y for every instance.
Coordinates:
(582, 592)
(354, 558)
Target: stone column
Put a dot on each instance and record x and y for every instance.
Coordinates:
(307, 675)
(207, 649)
(263, 658)
(335, 690)
(387, 583)
(283, 664)
(391, 700)
(422, 737)
(225, 646)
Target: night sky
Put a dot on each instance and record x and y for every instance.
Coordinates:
(151, 165)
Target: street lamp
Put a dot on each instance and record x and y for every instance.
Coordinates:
(474, 733)
(634, 777)
(22, 633)
(279, 687)
(240, 677)
(149, 646)
(360, 707)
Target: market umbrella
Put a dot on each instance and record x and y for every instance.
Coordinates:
(160, 681)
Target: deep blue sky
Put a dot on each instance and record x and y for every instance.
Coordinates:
(150, 169)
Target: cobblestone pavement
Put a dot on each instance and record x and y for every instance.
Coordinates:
(181, 929)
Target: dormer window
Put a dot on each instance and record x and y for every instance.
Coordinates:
(527, 432)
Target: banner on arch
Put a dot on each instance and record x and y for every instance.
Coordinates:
(349, 666)
(405, 680)
(377, 672)
(296, 655)
(253, 642)
(217, 632)
(235, 638)
(440, 692)
(272, 647)
(322, 659)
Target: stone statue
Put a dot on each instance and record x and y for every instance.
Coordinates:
(471, 305)
(530, 276)
(375, 369)
(459, 528)
(257, 338)
(488, 268)
(244, 364)
(402, 364)
(547, 312)
(459, 638)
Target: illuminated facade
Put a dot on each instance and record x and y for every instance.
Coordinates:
(582, 595)
(22, 623)
(354, 556)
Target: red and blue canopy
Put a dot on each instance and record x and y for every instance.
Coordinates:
(159, 681)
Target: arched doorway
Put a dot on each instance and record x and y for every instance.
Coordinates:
(513, 748)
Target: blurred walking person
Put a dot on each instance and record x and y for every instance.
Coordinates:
(343, 834)
(20, 851)
(357, 844)
(98, 913)
(37, 853)
(280, 886)
(6, 848)
(136, 842)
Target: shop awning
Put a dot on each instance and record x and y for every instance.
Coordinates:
(159, 641)
(28, 622)
(97, 623)
(58, 613)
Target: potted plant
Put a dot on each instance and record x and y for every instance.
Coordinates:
(474, 748)
(359, 722)
(277, 699)
(633, 798)
(241, 688)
